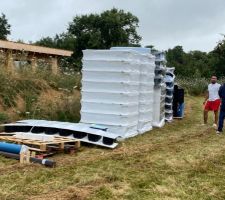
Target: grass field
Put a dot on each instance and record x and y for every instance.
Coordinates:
(183, 160)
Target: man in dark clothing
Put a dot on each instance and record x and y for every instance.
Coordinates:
(222, 109)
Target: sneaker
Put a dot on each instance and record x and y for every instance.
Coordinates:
(214, 126)
(219, 132)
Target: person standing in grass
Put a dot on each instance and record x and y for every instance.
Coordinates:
(212, 101)
(222, 109)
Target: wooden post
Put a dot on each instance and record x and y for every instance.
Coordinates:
(54, 65)
(34, 64)
(77, 145)
(9, 61)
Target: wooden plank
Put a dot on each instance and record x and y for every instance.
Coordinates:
(77, 145)
(42, 146)
(21, 158)
(33, 154)
(34, 48)
(27, 157)
(178, 117)
(62, 146)
(37, 142)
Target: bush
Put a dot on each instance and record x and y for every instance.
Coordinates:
(66, 108)
(20, 93)
(14, 85)
(3, 117)
(195, 86)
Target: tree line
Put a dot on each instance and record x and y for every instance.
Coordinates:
(119, 28)
(197, 63)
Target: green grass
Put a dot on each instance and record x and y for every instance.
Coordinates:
(3, 117)
(183, 160)
(20, 94)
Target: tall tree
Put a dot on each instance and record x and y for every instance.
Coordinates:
(96, 31)
(193, 63)
(118, 28)
(218, 55)
(102, 31)
(175, 58)
(4, 27)
(46, 42)
(61, 41)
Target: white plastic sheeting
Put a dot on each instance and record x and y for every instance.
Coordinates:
(109, 119)
(110, 76)
(115, 108)
(147, 68)
(140, 50)
(122, 87)
(146, 85)
(117, 90)
(112, 66)
(107, 97)
(84, 132)
(110, 84)
(104, 55)
(32, 136)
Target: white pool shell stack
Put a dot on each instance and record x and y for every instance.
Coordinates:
(169, 79)
(110, 90)
(159, 91)
(147, 67)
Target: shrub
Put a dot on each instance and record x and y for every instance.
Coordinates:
(3, 117)
(195, 86)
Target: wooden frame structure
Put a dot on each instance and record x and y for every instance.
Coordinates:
(33, 53)
(42, 146)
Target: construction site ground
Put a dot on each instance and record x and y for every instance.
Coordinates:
(183, 160)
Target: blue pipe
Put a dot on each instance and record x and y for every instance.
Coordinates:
(10, 148)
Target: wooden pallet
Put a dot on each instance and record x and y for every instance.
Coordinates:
(178, 117)
(42, 146)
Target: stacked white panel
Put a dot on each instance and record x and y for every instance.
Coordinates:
(159, 106)
(147, 67)
(110, 90)
(146, 92)
(169, 80)
(159, 91)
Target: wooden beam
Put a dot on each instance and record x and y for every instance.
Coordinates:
(34, 48)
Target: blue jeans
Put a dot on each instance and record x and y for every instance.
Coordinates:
(221, 119)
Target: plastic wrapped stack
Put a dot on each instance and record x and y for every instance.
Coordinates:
(110, 85)
(169, 80)
(117, 90)
(146, 97)
(159, 90)
(146, 62)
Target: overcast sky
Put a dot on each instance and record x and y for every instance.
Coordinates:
(194, 24)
